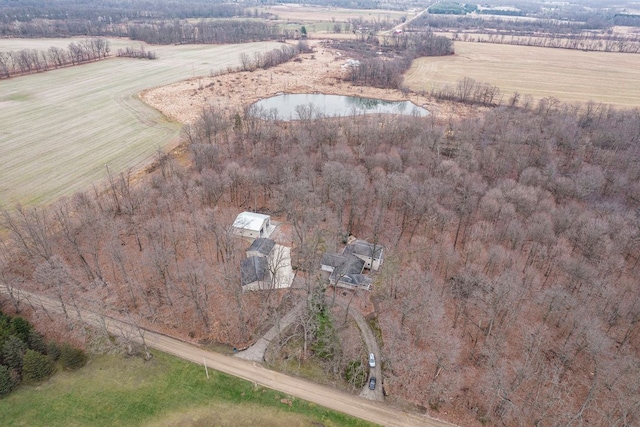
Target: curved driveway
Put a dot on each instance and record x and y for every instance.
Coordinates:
(372, 345)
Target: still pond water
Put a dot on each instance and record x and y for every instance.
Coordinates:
(309, 106)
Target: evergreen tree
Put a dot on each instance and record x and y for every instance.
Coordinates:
(6, 382)
(36, 366)
(36, 342)
(13, 352)
(21, 328)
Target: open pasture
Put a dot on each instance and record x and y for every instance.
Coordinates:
(60, 129)
(117, 391)
(568, 75)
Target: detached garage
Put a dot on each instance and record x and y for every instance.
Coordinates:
(254, 225)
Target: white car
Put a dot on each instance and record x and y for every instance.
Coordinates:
(372, 360)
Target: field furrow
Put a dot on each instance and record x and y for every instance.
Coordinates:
(59, 129)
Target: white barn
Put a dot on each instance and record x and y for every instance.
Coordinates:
(253, 225)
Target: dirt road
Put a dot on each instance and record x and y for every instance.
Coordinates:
(376, 412)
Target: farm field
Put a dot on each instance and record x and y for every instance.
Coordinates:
(568, 75)
(59, 129)
(324, 17)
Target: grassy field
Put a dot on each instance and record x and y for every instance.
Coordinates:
(568, 75)
(60, 128)
(167, 391)
(321, 19)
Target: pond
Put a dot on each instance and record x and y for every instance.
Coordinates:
(310, 106)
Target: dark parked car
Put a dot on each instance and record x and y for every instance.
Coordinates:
(372, 383)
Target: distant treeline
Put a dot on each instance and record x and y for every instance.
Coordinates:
(25, 61)
(207, 32)
(627, 20)
(452, 8)
(585, 41)
(521, 27)
(540, 33)
(114, 11)
(404, 48)
(131, 52)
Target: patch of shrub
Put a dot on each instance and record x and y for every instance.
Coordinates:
(72, 358)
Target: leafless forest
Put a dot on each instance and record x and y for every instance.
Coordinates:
(509, 295)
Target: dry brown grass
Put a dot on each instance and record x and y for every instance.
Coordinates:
(568, 75)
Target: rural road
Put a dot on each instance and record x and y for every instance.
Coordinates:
(402, 25)
(376, 412)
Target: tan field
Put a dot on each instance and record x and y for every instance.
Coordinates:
(305, 13)
(60, 129)
(568, 75)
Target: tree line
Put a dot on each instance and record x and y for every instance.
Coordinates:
(25, 11)
(25, 61)
(219, 31)
(583, 41)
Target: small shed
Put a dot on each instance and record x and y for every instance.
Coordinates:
(254, 225)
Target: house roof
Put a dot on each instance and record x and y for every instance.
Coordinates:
(254, 269)
(356, 279)
(332, 260)
(262, 245)
(250, 221)
(350, 265)
(363, 248)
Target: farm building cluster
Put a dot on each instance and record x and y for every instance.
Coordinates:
(268, 264)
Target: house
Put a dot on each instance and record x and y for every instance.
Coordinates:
(267, 266)
(348, 274)
(253, 225)
(255, 274)
(261, 247)
(346, 268)
(370, 253)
